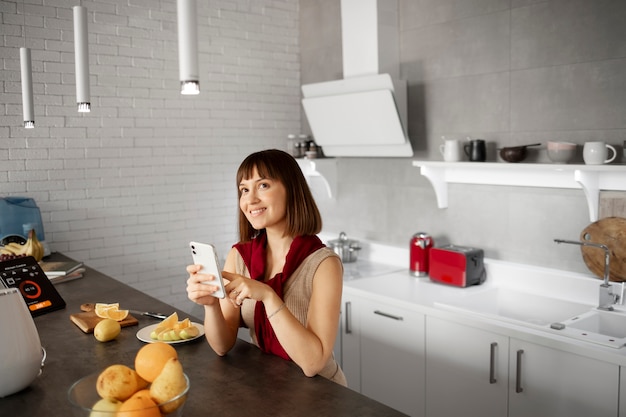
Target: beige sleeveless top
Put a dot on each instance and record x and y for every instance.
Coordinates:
(297, 295)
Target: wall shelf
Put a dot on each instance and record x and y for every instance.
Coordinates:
(590, 178)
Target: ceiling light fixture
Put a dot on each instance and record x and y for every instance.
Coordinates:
(188, 47)
(26, 69)
(81, 59)
(28, 106)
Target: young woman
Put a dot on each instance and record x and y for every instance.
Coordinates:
(282, 282)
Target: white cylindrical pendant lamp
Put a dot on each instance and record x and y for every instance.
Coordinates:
(188, 46)
(81, 58)
(28, 105)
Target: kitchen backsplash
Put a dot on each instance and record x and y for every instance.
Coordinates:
(513, 72)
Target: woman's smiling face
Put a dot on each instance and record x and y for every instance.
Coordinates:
(263, 201)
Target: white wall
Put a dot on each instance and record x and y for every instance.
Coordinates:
(125, 187)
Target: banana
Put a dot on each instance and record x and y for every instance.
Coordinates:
(33, 246)
(12, 249)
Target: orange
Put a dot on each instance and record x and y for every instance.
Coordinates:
(139, 405)
(151, 358)
(117, 315)
(102, 308)
(183, 324)
(110, 311)
(168, 322)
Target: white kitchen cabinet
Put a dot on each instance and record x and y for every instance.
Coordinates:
(467, 370)
(488, 374)
(383, 353)
(546, 382)
(622, 391)
(350, 342)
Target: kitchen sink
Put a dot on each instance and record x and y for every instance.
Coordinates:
(517, 306)
(566, 318)
(603, 327)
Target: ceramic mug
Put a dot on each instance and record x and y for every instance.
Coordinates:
(596, 153)
(476, 150)
(451, 150)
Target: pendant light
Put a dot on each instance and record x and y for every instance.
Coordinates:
(26, 70)
(188, 47)
(28, 106)
(81, 59)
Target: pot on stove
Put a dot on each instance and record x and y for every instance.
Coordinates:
(347, 249)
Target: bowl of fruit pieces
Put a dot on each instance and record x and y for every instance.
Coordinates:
(155, 387)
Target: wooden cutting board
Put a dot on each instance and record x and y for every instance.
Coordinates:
(87, 320)
(610, 231)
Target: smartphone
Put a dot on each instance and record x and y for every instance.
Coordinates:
(205, 254)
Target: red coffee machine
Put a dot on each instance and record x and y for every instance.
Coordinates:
(419, 253)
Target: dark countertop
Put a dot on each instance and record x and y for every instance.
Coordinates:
(245, 382)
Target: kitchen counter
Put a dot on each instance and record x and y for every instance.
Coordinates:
(422, 295)
(245, 382)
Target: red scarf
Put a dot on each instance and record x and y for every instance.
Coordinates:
(254, 256)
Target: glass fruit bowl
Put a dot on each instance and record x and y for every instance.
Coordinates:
(83, 396)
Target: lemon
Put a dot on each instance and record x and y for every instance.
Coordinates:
(107, 329)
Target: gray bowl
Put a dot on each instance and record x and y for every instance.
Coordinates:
(561, 152)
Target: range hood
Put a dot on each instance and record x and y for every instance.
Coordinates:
(363, 114)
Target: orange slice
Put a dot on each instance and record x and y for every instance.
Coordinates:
(168, 322)
(118, 315)
(183, 324)
(101, 309)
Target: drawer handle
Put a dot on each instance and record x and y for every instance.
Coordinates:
(348, 317)
(518, 377)
(389, 316)
(492, 363)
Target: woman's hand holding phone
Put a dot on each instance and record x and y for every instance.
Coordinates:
(204, 254)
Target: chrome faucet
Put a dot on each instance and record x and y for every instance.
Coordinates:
(607, 296)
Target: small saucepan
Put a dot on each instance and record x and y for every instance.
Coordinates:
(347, 249)
(515, 153)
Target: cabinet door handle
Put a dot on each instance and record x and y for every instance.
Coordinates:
(492, 363)
(348, 317)
(390, 316)
(518, 377)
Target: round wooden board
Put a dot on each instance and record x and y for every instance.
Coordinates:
(610, 231)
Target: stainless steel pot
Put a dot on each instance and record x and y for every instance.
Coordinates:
(347, 249)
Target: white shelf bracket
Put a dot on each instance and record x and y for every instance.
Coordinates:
(436, 176)
(315, 178)
(589, 182)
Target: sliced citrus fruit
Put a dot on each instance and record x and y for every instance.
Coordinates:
(168, 322)
(183, 324)
(117, 315)
(102, 308)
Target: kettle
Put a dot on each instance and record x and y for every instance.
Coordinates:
(420, 246)
(20, 348)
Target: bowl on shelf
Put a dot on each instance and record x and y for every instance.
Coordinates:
(561, 152)
(83, 396)
(515, 153)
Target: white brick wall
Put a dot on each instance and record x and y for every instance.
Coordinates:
(125, 187)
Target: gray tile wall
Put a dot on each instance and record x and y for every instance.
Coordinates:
(510, 71)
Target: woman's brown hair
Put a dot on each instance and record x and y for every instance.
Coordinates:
(303, 216)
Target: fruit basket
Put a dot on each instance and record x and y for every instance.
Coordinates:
(87, 402)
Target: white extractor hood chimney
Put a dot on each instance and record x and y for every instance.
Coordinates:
(363, 114)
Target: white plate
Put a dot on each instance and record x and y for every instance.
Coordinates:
(143, 334)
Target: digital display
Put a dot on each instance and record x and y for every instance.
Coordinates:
(38, 292)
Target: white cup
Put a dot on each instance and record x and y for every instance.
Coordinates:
(451, 150)
(596, 153)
